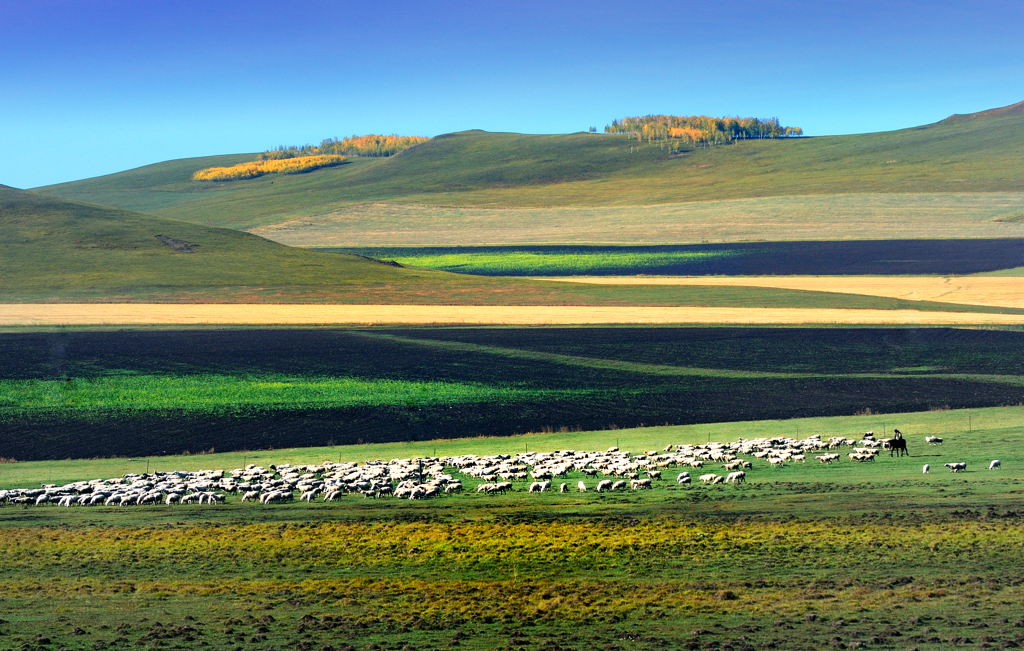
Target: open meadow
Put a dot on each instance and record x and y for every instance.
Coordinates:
(847, 555)
(543, 326)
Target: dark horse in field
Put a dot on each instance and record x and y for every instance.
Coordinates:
(897, 444)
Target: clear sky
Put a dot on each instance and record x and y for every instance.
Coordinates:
(89, 87)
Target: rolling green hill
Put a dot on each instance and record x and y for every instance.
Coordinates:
(58, 250)
(975, 153)
(54, 247)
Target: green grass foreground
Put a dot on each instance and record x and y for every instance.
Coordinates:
(851, 555)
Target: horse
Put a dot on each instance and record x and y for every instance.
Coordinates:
(897, 444)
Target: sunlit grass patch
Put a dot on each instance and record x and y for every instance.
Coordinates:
(516, 262)
(211, 392)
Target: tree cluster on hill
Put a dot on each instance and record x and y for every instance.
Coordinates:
(680, 130)
(369, 145)
(252, 169)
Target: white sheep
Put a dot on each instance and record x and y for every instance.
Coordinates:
(996, 463)
(925, 468)
(581, 487)
(956, 467)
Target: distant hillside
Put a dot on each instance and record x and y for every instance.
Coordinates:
(53, 248)
(1012, 109)
(983, 152)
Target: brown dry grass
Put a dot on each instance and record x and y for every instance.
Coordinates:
(993, 291)
(840, 216)
(54, 314)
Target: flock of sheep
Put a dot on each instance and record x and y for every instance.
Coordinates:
(611, 470)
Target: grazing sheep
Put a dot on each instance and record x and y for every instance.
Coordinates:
(956, 467)
(603, 485)
(996, 463)
(640, 484)
(619, 485)
(933, 440)
(925, 469)
(737, 477)
(581, 487)
(248, 495)
(563, 487)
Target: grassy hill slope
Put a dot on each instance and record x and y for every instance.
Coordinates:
(59, 249)
(974, 153)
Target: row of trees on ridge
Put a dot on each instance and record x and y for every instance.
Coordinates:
(252, 169)
(699, 129)
(369, 145)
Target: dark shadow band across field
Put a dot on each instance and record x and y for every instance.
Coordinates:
(864, 257)
(83, 393)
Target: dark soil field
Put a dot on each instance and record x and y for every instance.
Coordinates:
(102, 393)
(875, 257)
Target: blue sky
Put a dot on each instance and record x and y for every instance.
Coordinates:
(97, 86)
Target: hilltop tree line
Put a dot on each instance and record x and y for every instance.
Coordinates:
(679, 130)
(288, 159)
(369, 145)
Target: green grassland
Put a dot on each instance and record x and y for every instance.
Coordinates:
(57, 250)
(524, 263)
(501, 170)
(887, 257)
(859, 555)
(961, 426)
(102, 393)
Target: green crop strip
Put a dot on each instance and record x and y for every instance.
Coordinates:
(515, 262)
(204, 392)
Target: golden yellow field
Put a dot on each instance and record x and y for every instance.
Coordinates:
(51, 314)
(999, 291)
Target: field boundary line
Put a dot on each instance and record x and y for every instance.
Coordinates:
(55, 314)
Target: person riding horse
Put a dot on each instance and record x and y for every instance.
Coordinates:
(897, 444)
